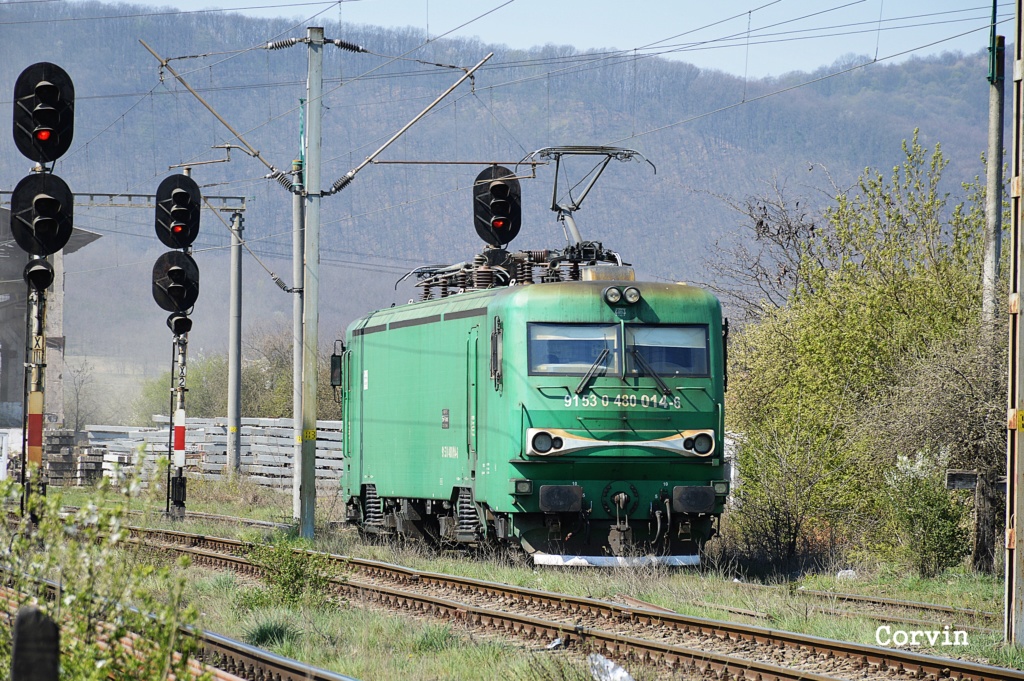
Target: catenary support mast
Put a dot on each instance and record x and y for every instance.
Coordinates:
(1014, 604)
(298, 236)
(235, 351)
(311, 283)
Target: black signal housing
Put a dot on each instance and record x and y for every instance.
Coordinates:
(497, 205)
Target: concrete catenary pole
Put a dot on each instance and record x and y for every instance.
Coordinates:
(298, 235)
(235, 351)
(311, 284)
(994, 186)
(1013, 622)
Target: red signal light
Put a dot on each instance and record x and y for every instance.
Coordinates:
(177, 228)
(498, 223)
(43, 135)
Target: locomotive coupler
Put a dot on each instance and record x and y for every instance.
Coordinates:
(554, 525)
(620, 536)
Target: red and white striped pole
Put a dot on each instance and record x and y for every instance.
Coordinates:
(178, 460)
(176, 454)
(32, 440)
(34, 436)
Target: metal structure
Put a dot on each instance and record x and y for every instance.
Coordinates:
(642, 631)
(41, 222)
(235, 350)
(565, 407)
(176, 485)
(312, 193)
(1014, 612)
(306, 470)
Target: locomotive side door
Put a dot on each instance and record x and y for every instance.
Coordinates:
(471, 398)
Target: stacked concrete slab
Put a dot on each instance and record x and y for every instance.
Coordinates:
(88, 467)
(59, 457)
(266, 450)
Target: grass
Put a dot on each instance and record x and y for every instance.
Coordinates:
(685, 591)
(363, 642)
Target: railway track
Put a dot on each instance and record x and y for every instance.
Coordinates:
(255, 664)
(226, 659)
(199, 515)
(620, 631)
(890, 609)
(873, 607)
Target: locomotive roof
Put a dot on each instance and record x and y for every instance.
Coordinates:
(473, 303)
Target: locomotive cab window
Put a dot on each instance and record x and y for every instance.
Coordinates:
(573, 349)
(667, 350)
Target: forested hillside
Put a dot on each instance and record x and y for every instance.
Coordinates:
(133, 121)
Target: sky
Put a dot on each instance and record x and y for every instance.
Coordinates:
(753, 38)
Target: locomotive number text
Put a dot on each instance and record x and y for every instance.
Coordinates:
(646, 401)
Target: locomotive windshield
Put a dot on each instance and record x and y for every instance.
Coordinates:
(572, 349)
(667, 350)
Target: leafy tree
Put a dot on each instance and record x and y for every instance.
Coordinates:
(207, 396)
(79, 395)
(266, 383)
(759, 269)
(949, 403)
(894, 269)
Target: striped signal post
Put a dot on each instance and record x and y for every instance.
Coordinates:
(32, 435)
(177, 484)
(176, 489)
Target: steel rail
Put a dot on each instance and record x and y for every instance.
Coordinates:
(620, 646)
(916, 665)
(200, 515)
(896, 603)
(954, 612)
(251, 663)
(237, 660)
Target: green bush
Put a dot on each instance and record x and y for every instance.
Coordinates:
(293, 577)
(927, 522)
(108, 589)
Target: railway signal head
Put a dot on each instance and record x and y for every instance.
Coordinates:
(177, 211)
(175, 282)
(41, 213)
(497, 211)
(179, 323)
(44, 112)
(38, 274)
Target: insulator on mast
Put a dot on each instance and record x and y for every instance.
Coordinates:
(281, 44)
(346, 45)
(282, 179)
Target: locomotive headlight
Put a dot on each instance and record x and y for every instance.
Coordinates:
(632, 295)
(612, 295)
(721, 487)
(542, 442)
(703, 443)
(523, 487)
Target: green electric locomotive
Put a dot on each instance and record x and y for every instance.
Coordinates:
(579, 416)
